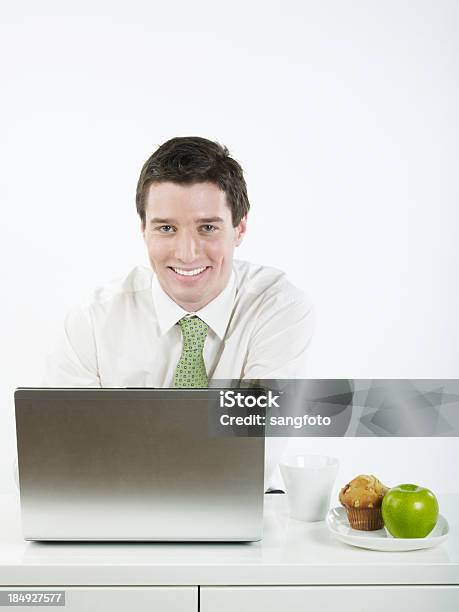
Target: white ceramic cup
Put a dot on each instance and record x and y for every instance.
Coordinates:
(309, 481)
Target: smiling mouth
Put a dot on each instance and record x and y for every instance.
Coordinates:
(192, 272)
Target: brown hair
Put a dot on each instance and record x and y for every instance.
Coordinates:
(192, 159)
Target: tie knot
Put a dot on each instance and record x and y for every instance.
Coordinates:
(194, 332)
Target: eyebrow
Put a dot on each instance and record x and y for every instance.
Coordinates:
(159, 220)
(210, 220)
(203, 220)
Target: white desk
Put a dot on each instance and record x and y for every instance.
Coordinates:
(298, 565)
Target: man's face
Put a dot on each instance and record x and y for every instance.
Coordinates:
(190, 239)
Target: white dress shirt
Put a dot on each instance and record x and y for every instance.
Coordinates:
(260, 327)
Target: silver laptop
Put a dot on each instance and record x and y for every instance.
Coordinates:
(133, 464)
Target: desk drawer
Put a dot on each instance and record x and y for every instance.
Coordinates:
(101, 599)
(332, 598)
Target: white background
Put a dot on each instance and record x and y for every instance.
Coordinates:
(344, 117)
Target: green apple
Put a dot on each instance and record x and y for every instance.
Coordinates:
(409, 511)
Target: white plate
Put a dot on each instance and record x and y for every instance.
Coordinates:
(380, 539)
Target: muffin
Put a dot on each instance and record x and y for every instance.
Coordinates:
(362, 498)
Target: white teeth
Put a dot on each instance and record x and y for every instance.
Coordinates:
(189, 272)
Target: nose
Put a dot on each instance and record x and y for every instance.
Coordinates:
(186, 248)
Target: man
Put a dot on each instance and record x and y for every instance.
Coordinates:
(197, 315)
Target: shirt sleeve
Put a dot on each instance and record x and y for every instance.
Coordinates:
(280, 342)
(74, 361)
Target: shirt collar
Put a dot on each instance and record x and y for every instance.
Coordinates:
(215, 314)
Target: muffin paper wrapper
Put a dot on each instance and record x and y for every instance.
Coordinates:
(365, 519)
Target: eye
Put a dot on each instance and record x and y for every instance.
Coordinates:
(166, 229)
(207, 228)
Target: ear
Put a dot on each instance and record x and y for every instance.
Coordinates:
(241, 230)
(142, 228)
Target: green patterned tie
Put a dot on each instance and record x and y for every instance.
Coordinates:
(191, 369)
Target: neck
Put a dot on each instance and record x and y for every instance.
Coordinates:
(191, 306)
